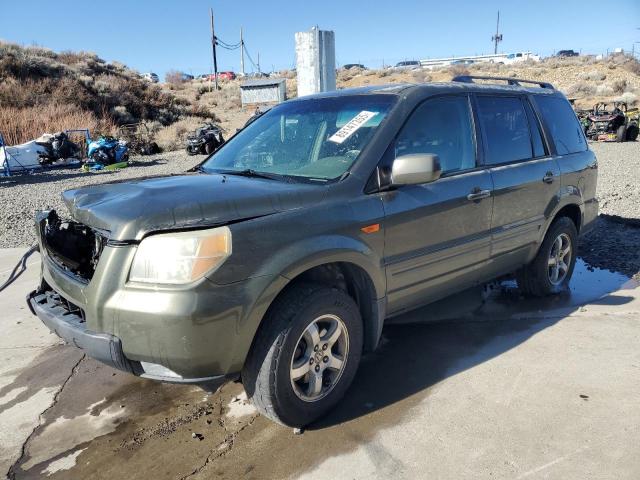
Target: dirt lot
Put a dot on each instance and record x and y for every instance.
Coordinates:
(504, 388)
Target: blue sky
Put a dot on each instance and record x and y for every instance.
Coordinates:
(161, 35)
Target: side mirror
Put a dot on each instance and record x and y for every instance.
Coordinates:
(415, 168)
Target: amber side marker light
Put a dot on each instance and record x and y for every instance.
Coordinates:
(371, 228)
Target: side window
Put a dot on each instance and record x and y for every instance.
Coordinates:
(561, 120)
(506, 129)
(441, 126)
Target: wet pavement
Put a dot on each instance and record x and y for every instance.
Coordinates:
(485, 385)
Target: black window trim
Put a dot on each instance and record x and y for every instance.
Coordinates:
(523, 99)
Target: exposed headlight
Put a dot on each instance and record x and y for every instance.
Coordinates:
(183, 257)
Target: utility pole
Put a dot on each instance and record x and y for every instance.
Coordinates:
(259, 71)
(213, 45)
(241, 53)
(498, 36)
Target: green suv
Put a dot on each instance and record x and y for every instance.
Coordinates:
(279, 258)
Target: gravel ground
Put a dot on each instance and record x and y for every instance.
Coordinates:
(614, 244)
(24, 194)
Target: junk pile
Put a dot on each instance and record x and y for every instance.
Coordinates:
(106, 153)
(58, 149)
(205, 140)
(47, 150)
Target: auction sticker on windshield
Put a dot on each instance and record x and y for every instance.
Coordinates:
(352, 126)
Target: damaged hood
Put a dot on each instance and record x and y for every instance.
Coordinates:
(130, 210)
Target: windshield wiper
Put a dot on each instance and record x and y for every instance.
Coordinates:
(249, 172)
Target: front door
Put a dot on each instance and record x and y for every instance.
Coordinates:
(437, 235)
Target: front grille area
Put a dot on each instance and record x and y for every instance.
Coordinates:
(54, 301)
(74, 247)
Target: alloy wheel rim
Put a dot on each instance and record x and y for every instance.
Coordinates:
(320, 358)
(559, 259)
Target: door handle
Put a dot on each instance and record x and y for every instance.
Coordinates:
(548, 178)
(477, 194)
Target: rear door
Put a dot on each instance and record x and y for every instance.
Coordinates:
(437, 235)
(526, 177)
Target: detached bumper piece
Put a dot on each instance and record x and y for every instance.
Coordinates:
(67, 321)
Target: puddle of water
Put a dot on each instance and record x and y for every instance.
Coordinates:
(588, 285)
(66, 433)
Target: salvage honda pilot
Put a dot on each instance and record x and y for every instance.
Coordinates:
(278, 259)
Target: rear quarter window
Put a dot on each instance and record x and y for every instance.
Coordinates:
(563, 124)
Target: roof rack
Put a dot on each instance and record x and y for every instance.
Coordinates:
(509, 80)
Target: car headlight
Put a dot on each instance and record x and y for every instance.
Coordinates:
(182, 257)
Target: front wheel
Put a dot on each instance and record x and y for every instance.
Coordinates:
(551, 269)
(305, 355)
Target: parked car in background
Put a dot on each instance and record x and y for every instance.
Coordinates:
(349, 66)
(221, 76)
(567, 53)
(226, 76)
(279, 259)
(407, 65)
(151, 77)
(186, 77)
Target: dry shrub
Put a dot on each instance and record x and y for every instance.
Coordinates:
(421, 76)
(604, 90)
(174, 77)
(580, 89)
(619, 86)
(632, 65)
(20, 125)
(630, 98)
(174, 136)
(457, 70)
(593, 75)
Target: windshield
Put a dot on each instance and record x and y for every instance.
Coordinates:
(316, 139)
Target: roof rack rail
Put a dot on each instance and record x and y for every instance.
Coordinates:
(509, 80)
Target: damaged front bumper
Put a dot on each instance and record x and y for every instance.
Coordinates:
(67, 321)
(180, 334)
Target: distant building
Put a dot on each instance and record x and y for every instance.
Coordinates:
(263, 91)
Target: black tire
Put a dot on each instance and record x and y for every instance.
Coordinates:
(191, 151)
(632, 133)
(209, 148)
(621, 133)
(266, 374)
(533, 279)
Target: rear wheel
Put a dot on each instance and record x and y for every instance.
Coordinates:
(621, 133)
(209, 148)
(632, 133)
(551, 269)
(305, 355)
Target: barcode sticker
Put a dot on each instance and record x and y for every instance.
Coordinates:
(352, 126)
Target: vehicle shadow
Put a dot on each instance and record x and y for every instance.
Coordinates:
(429, 345)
